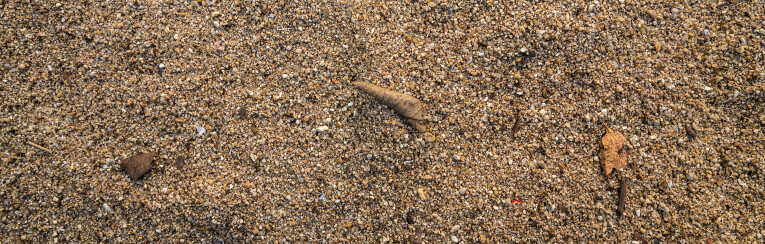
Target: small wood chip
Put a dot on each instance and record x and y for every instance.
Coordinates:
(181, 120)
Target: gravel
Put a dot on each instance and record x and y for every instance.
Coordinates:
(205, 84)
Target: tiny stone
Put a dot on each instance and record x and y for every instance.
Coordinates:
(322, 128)
(422, 194)
(741, 182)
(179, 161)
(200, 129)
(455, 239)
(455, 228)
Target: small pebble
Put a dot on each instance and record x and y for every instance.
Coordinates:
(455, 228)
(422, 194)
(200, 129)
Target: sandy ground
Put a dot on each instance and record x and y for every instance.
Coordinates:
(260, 136)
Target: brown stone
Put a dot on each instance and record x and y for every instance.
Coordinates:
(137, 165)
(180, 161)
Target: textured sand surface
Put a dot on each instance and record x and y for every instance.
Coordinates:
(260, 135)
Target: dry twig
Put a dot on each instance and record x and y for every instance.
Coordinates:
(39, 147)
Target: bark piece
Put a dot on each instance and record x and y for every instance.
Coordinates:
(405, 105)
(137, 165)
(613, 151)
(622, 197)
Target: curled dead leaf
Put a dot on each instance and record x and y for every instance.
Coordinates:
(613, 151)
(405, 105)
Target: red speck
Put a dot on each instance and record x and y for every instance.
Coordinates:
(516, 202)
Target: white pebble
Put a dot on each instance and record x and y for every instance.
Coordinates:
(200, 129)
(455, 240)
(322, 128)
(742, 183)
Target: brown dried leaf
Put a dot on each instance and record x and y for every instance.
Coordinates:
(137, 165)
(405, 105)
(613, 151)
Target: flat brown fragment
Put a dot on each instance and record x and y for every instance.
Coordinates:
(136, 166)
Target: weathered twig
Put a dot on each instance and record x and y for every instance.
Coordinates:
(39, 147)
(622, 196)
(405, 105)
